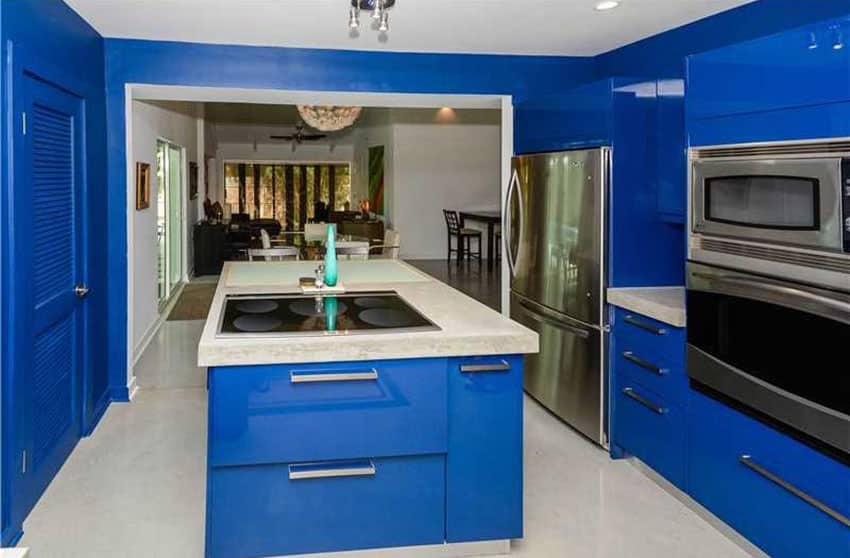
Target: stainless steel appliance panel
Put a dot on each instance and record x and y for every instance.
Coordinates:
(555, 230)
(777, 347)
(769, 200)
(566, 376)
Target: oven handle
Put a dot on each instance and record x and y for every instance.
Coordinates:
(794, 297)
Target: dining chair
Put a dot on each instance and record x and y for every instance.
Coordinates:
(315, 231)
(352, 250)
(278, 254)
(390, 247)
(463, 238)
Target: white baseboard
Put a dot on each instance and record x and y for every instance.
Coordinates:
(492, 549)
(727, 531)
(139, 350)
(14, 552)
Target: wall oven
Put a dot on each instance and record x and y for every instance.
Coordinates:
(775, 349)
(781, 209)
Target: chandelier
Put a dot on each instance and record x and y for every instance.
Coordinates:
(328, 118)
(379, 9)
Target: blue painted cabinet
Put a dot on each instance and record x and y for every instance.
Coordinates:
(747, 474)
(649, 393)
(355, 455)
(484, 461)
(788, 86)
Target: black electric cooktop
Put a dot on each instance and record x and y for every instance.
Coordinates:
(344, 314)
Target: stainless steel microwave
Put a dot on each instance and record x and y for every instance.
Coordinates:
(783, 208)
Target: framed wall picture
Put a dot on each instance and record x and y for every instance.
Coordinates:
(193, 180)
(143, 186)
(376, 179)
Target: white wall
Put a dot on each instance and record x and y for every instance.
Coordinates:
(440, 160)
(176, 122)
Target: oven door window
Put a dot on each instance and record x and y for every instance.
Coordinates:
(801, 353)
(764, 201)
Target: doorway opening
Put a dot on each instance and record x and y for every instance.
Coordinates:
(169, 219)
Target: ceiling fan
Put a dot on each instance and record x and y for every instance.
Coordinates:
(299, 136)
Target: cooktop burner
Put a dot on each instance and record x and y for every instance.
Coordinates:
(345, 314)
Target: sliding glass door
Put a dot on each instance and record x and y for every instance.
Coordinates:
(286, 192)
(169, 218)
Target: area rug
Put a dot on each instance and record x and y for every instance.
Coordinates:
(194, 302)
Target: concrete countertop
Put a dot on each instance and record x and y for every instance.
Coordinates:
(665, 304)
(467, 327)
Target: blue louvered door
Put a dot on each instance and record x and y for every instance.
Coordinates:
(48, 266)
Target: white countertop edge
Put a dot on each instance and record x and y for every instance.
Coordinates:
(665, 304)
(486, 333)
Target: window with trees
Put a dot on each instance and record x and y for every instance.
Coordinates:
(285, 191)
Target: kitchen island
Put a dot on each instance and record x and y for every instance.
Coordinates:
(396, 425)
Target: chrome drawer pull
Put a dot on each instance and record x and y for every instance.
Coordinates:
(628, 355)
(750, 464)
(360, 468)
(500, 366)
(645, 402)
(297, 377)
(643, 325)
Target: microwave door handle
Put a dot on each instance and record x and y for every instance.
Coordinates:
(801, 299)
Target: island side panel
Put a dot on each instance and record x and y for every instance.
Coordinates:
(484, 460)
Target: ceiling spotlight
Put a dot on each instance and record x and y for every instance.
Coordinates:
(379, 12)
(839, 41)
(813, 41)
(606, 5)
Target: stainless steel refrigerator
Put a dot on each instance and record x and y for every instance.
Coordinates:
(555, 233)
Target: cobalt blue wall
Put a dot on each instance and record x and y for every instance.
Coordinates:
(664, 55)
(48, 37)
(169, 63)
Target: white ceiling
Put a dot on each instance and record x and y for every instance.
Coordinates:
(548, 27)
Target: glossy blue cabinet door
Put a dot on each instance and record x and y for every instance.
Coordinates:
(484, 463)
(286, 413)
(731, 456)
(272, 510)
(800, 67)
(671, 156)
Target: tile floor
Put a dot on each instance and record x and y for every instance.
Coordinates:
(135, 488)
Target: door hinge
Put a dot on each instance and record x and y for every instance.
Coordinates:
(24, 462)
(24, 122)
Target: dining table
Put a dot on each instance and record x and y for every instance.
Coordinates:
(312, 247)
(489, 217)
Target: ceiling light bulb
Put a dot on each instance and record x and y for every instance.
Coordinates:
(839, 42)
(813, 41)
(354, 18)
(606, 5)
(385, 22)
(378, 9)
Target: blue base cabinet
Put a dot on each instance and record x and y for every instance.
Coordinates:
(757, 480)
(782, 495)
(484, 461)
(357, 455)
(649, 393)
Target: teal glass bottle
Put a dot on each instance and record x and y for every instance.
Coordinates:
(330, 257)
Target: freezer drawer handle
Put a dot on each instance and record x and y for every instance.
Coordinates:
(645, 402)
(747, 461)
(543, 319)
(299, 377)
(643, 325)
(328, 469)
(630, 356)
(500, 366)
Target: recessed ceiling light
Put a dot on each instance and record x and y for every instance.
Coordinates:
(606, 5)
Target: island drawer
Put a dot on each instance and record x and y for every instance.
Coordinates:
(272, 510)
(293, 413)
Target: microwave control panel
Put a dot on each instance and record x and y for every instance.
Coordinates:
(845, 202)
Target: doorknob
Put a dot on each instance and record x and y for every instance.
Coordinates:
(81, 291)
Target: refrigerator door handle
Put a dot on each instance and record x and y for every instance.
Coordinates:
(513, 186)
